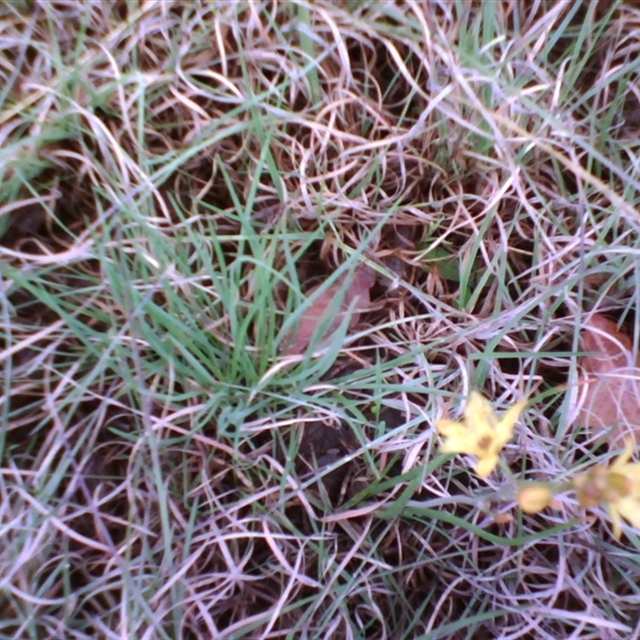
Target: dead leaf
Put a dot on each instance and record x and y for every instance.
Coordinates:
(359, 287)
(611, 379)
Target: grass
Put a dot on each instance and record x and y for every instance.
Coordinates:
(174, 177)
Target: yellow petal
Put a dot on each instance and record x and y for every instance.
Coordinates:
(616, 521)
(631, 472)
(486, 465)
(508, 421)
(459, 445)
(625, 456)
(629, 509)
(478, 412)
(451, 429)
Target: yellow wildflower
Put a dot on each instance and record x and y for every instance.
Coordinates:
(481, 433)
(617, 486)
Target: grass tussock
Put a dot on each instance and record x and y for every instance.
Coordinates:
(175, 176)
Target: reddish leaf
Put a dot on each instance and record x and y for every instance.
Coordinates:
(358, 289)
(612, 377)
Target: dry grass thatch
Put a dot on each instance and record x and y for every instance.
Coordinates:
(175, 177)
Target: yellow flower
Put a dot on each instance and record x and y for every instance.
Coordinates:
(623, 500)
(617, 486)
(481, 433)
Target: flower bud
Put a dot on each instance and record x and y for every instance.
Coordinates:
(534, 497)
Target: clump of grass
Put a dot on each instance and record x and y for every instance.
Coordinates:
(174, 177)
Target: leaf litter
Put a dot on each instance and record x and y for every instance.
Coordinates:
(611, 375)
(356, 300)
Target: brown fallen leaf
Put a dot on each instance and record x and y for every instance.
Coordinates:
(611, 375)
(358, 289)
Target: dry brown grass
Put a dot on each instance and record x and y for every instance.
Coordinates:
(174, 176)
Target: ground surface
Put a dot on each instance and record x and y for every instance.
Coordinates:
(175, 177)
